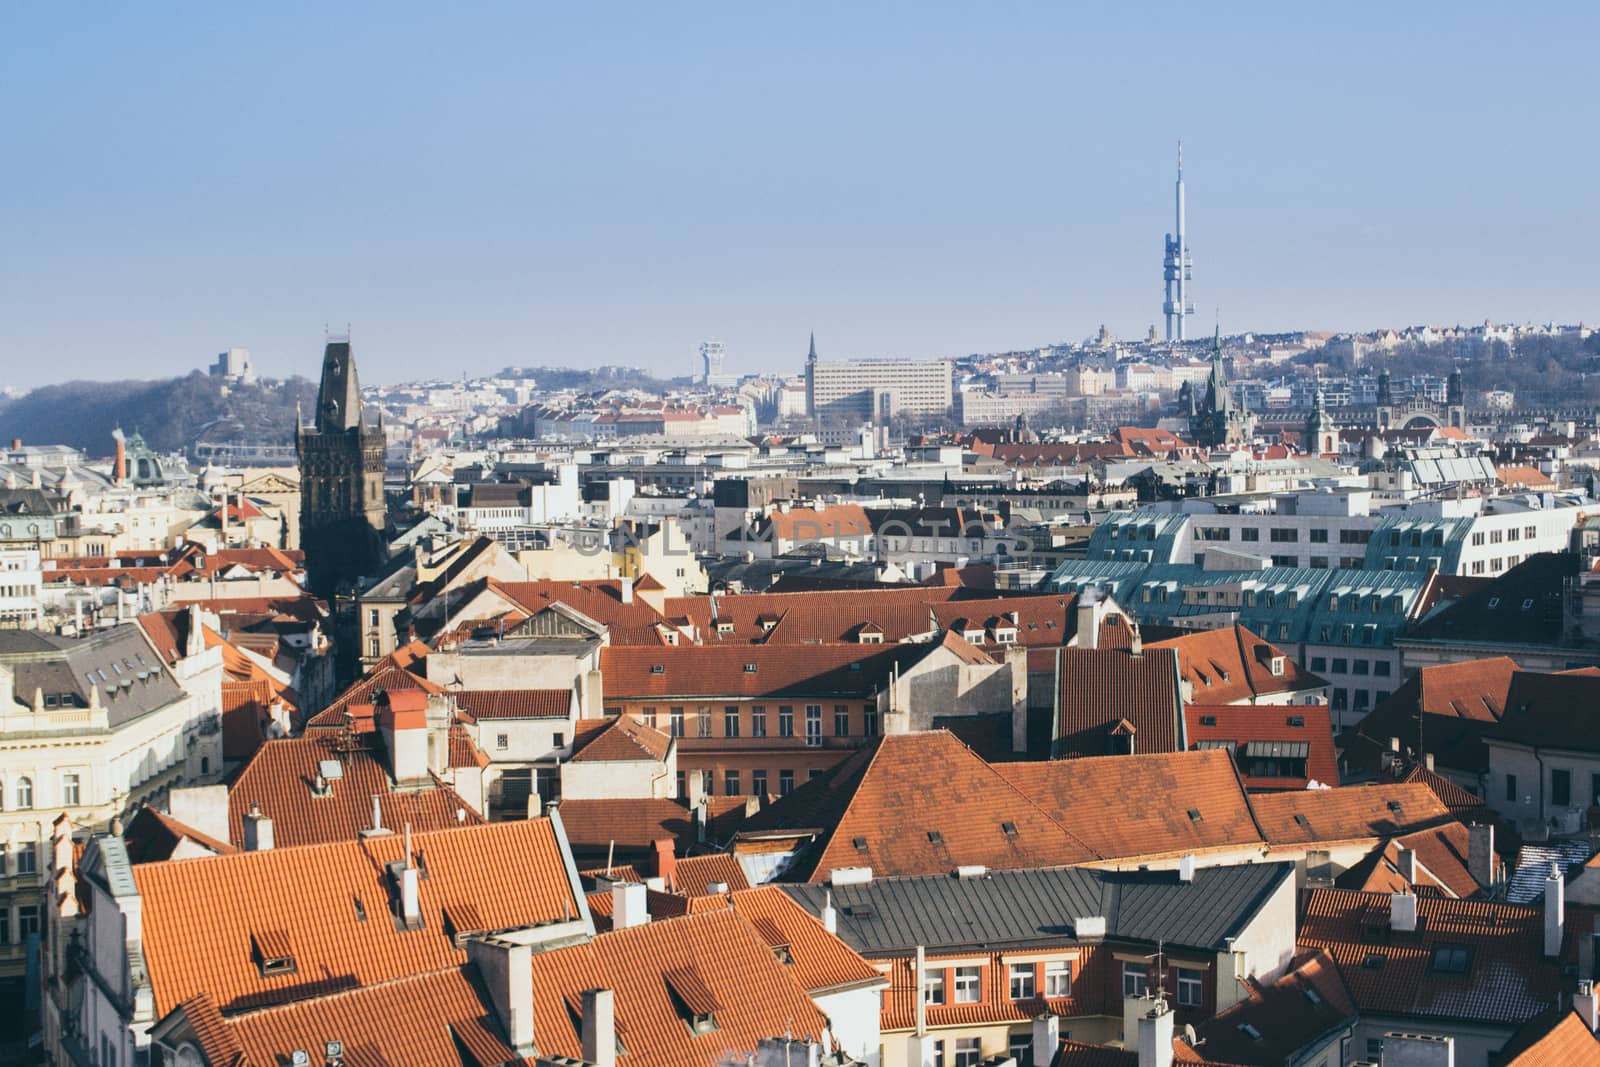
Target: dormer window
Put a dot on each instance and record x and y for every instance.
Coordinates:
(272, 952)
(691, 998)
(658, 668)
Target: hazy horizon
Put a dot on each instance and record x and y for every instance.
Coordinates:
(496, 186)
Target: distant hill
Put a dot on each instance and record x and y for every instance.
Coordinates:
(170, 414)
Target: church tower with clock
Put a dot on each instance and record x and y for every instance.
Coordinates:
(341, 480)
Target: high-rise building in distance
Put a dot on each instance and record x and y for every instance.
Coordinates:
(876, 389)
(1177, 269)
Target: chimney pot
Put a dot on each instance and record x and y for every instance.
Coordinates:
(630, 905)
(1587, 1004)
(1555, 917)
(830, 914)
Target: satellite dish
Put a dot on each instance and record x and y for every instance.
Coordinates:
(1189, 1036)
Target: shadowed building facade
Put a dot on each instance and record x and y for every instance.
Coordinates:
(341, 480)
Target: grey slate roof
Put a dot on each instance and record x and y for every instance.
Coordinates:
(120, 662)
(1010, 909)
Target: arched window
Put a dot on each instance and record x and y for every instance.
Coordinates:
(24, 794)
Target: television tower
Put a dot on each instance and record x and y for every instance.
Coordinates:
(1177, 270)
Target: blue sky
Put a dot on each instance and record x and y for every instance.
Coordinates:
(478, 185)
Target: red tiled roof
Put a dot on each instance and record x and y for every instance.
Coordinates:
(1506, 980)
(1441, 856)
(279, 779)
(821, 962)
(1562, 1040)
(1143, 805)
(692, 875)
(199, 915)
(808, 524)
(1240, 724)
(1306, 1003)
(750, 670)
(464, 751)
(1452, 796)
(634, 824)
(1348, 813)
(1100, 686)
(387, 674)
(890, 809)
(600, 601)
(513, 703)
(153, 836)
(1228, 666)
(624, 739)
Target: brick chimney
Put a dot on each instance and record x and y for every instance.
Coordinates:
(666, 861)
(119, 462)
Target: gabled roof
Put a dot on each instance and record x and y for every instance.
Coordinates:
(634, 824)
(624, 739)
(1159, 804)
(201, 916)
(1100, 686)
(1299, 1009)
(390, 673)
(633, 673)
(1505, 980)
(1233, 665)
(1552, 711)
(1441, 858)
(1246, 730)
(821, 962)
(1556, 1039)
(481, 704)
(153, 835)
(920, 803)
(280, 781)
(1348, 813)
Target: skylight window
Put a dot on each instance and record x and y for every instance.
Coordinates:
(1009, 829)
(936, 837)
(1194, 814)
(1451, 959)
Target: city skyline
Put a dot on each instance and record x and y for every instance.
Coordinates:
(571, 191)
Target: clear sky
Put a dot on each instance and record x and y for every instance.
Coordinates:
(476, 185)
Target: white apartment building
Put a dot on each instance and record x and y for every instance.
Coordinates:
(21, 585)
(91, 728)
(870, 388)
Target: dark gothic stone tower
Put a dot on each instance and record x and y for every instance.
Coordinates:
(341, 480)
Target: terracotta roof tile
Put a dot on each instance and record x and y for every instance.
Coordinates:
(1230, 665)
(624, 739)
(1208, 725)
(820, 962)
(199, 914)
(514, 703)
(1563, 1040)
(1303, 1005)
(633, 673)
(1348, 813)
(1099, 687)
(1143, 805)
(280, 779)
(1504, 977)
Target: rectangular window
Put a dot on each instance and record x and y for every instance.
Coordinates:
(683, 786)
(1511, 788)
(1359, 666)
(785, 783)
(675, 721)
(1341, 665)
(968, 1052)
(1319, 663)
(1250, 533)
(1020, 1048)
(785, 720)
(69, 790)
(813, 725)
(968, 988)
(27, 858)
(702, 718)
(27, 921)
(869, 720)
(1319, 536)
(758, 721)
(730, 721)
(1134, 980)
(730, 783)
(933, 986)
(649, 717)
(1191, 989)
(1058, 978)
(1381, 667)
(841, 720)
(758, 783)
(1561, 788)
(558, 740)
(1022, 981)
(502, 742)
(1282, 535)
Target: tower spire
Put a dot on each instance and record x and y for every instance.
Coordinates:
(1176, 266)
(812, 354)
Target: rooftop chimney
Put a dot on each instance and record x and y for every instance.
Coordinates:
(1186, 867)
(627, 590)
(119, 464)
(506, 969)
(630, 905)
(1480, 853)
(1587, 1004)
(1406, 862)
(1555, 911)
(1046, 1037)
(1155, 1036)
(257, 830)
(403, 719)
(1403, 912)
(1088, 620)
(666, 861)
(599, 1028)
(830, 914)
(410, 888)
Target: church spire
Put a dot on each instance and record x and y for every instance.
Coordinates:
(811, 356)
